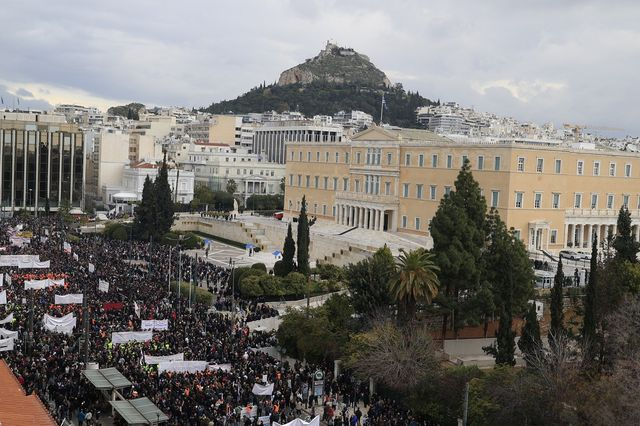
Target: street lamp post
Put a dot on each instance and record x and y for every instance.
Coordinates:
(233, 294)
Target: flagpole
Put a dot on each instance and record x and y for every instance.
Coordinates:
(381, 108)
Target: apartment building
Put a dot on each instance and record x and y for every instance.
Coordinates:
(393, 180)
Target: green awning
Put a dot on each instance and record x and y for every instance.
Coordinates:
(140, 411)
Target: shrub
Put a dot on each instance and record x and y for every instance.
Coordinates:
(202, 295)
(278, 269)
(272, 286)
(237, 274)
(250, 287)
(248, 272)
(259, 267)
(328, 271)
(116, 231)
(295, 283)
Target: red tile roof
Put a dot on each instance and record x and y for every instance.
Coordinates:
(17, 409)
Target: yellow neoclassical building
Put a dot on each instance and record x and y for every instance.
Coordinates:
(393, 180)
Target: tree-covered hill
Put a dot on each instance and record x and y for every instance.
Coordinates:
(327, 99)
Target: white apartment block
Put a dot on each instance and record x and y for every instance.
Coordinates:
(216, 164)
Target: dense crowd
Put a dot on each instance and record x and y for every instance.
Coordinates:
(51, 364)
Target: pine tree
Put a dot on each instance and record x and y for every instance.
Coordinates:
(624, 243)
(590, 303)
(288, 253)
(530, 341)
(146, 221)
(557, 304)
(303, 239)
(164, 203)
(458, 232)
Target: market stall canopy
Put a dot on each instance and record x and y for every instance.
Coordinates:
(107, 379)
(140, 411)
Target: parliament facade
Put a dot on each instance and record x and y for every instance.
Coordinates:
(392, 181)
(41, 159)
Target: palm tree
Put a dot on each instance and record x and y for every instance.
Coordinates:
(415, 281)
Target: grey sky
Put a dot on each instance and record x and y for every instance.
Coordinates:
(561, 61)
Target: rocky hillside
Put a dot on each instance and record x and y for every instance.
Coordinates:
(337, 65)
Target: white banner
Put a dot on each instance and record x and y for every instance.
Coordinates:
(1, 280)
(17, 259)
(136, 308)
(42, 284)
(65, 324)
(66, 247)
(155, 324)
(103, 286)
(150, 359)
(68, 299)
(6, 345)
(19, 241)
(3, 297)
(8, 279)
(300, 422)
(266, 420)
(35, 264)
(9, 318)
(223, 367)
(183, 366)
(131, 336)
(92, 268)
(75, 257)
(8, 333)
(262, 390)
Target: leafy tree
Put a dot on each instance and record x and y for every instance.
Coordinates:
(625, 245)
(368, 282)
(590, 303)
(288, 252)
(282, 185)
(458, 232)
(146, 220)
(232, 186)
(303, 239)
(530, 341)
(164, 204)
(415, 281)
(557, 303)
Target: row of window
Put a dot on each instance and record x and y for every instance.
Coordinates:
(373, 156)
(555, 200)
(244, 171)
(580, 167)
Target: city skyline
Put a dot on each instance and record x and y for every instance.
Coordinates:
(575, 65)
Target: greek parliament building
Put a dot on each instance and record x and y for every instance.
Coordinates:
(41, 156)
(393, 180)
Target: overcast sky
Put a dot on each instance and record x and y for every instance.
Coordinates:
(561, 61)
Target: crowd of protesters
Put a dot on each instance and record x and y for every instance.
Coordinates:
(50, 364)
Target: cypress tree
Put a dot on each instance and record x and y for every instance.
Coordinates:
(303, 239)
(624, 243)
(164, 203)
(557, 304)
(590, 303)
(458, 232)
(145, 223)
(288, 252)
(530, 342)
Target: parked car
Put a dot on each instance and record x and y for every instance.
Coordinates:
(570, 254)
(585, 255)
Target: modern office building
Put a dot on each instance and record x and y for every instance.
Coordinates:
(269, 139)
(43, 159)
(392, 180)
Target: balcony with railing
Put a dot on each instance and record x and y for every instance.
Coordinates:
(351, 196)
(599, 213)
